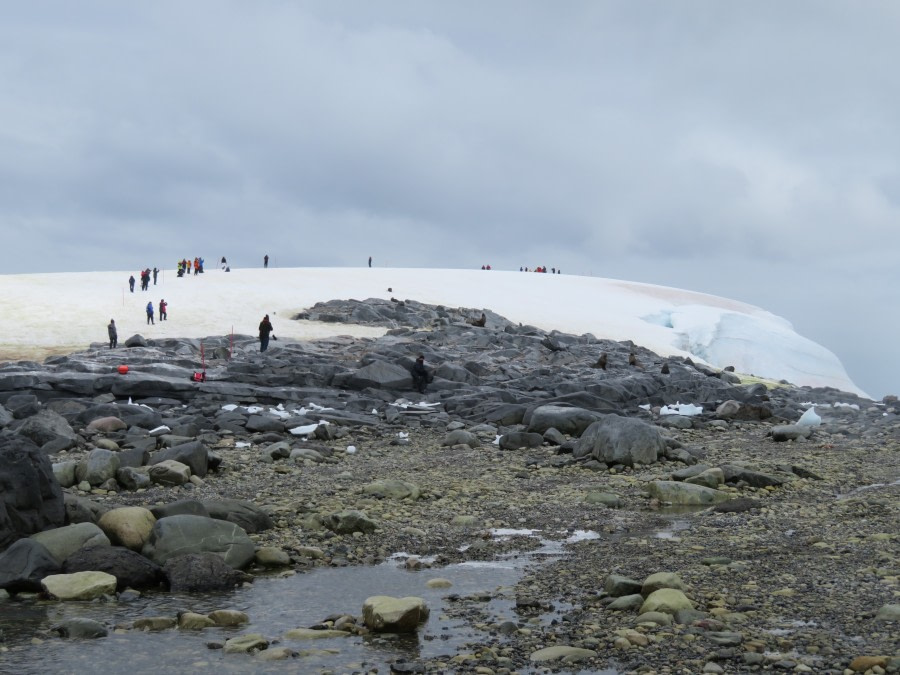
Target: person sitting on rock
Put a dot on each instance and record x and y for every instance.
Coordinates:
(420, 374)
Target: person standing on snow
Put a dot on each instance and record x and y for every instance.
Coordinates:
(163, 305)
(265, 327)
(155, 273)
(150, 313)
(265, 261)
(131, 283)
(113, 334)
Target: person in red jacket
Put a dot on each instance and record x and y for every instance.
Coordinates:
(163, 306)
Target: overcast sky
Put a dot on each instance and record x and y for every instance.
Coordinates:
(748, 150)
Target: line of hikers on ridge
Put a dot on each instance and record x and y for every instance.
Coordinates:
(553, 270)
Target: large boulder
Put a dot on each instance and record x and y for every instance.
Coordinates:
(568, 420)
(128, 526)
(131, 570)
(620, 440)
(24, 564)
(100, 466)
(393, 489)
(30, 497)
(377, 375)
(201, 572)
(64, 541)
(46, 426)
(194, 454)
(106, 424)
(666, 600)
(179, 535)
(170, 473)
(181, 507)
(516, 440)
(384, 614)
(461, 437)
(80, 628)
(246, 515)
(82, 509)
(687, 494)
(350, 521)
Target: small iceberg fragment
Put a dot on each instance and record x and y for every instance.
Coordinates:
(809, 419)
(687, 409)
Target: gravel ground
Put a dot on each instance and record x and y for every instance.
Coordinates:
(794, 583)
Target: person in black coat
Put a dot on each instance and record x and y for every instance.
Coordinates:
(265, 328)
(420, 374)
(113, 334)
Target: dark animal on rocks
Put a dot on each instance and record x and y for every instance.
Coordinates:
(478, 322)
(665, 369)
(601, 362)
(632, 360)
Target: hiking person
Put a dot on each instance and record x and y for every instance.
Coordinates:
(265, 328)
(265, 261)
(163, 306)
(370, 261)
(131, 283)
(155, 273)
(420, 374)
(150, 313)
(113, 334)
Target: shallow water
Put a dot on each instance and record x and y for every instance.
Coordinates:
(275, 605)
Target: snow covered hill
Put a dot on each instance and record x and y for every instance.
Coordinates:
(52, 313)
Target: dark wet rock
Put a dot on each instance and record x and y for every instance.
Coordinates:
(738, 505)
(131, 569)
(24, 564)
(46, 426)
(100, 466)
(201, 573)
(790, 432)
(734, 473)
(518, 440)
(132, 479)
(182, 507)
(80, 628)
(31, 499)
(193, 454)
(82, 510)
(22, 406)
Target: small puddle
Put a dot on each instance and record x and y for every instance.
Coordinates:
(672, 531)
(867, 488)
(276, 605)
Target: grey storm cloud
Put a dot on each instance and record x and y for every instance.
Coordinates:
(743, 149)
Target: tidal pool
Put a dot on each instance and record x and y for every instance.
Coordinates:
(275, 605)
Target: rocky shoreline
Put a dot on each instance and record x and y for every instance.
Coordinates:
(781, 544)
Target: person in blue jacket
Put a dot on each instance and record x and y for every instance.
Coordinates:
(150, 313)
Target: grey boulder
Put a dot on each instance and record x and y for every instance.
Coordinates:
(620, 440)
(179, 535)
